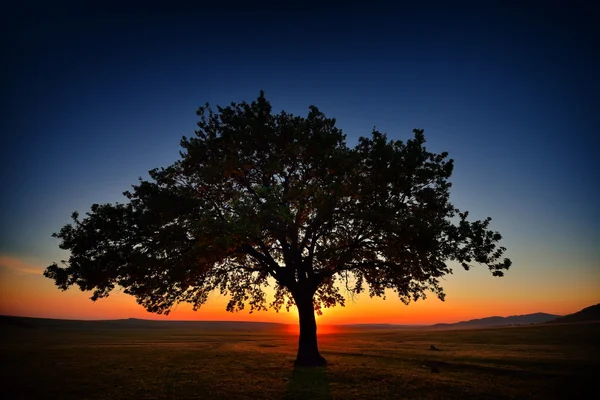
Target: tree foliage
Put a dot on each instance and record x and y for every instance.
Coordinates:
(260, 199)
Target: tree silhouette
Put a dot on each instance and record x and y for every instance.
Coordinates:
(261, 199)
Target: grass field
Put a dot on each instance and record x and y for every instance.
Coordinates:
(534, 362)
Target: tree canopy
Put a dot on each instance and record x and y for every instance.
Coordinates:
(259, 198)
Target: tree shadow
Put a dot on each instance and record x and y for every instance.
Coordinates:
(308, 383)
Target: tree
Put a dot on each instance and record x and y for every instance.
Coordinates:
(260, 199)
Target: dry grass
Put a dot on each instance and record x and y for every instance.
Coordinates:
(525, 362)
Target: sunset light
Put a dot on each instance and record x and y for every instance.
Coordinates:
(308, 201)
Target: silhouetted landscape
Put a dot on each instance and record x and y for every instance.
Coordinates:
(133, 358)
(406, 189)
(591, 313)
(588, 314)
(500, 321)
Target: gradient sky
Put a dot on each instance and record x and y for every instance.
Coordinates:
(95, 98)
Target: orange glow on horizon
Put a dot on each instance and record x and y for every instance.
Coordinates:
(25, 292)
(322, 329)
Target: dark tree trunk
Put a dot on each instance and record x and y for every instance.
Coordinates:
(308, 350)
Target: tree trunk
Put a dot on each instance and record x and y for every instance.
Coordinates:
(308, 351)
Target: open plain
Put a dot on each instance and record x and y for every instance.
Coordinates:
(527, 362)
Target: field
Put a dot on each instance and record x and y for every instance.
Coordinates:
(532, 362)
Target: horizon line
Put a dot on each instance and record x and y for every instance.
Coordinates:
(279, 323)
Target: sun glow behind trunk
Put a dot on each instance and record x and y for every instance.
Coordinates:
(322, 329)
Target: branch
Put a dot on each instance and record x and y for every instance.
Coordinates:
(265, 260)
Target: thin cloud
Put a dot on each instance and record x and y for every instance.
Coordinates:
(19, 266)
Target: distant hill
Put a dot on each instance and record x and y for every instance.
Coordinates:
(134, 323)
(526, 319)
(591, 313)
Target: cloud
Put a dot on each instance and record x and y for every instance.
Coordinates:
(19, 266)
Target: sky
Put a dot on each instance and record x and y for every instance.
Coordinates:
(94, 98)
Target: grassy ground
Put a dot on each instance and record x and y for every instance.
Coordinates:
(535, 362)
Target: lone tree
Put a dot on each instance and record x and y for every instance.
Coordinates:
(261, 199)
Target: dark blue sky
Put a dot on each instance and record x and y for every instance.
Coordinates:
(95, 98)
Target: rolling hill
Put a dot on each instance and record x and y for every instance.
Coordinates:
(591, 313)
(525, 319)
